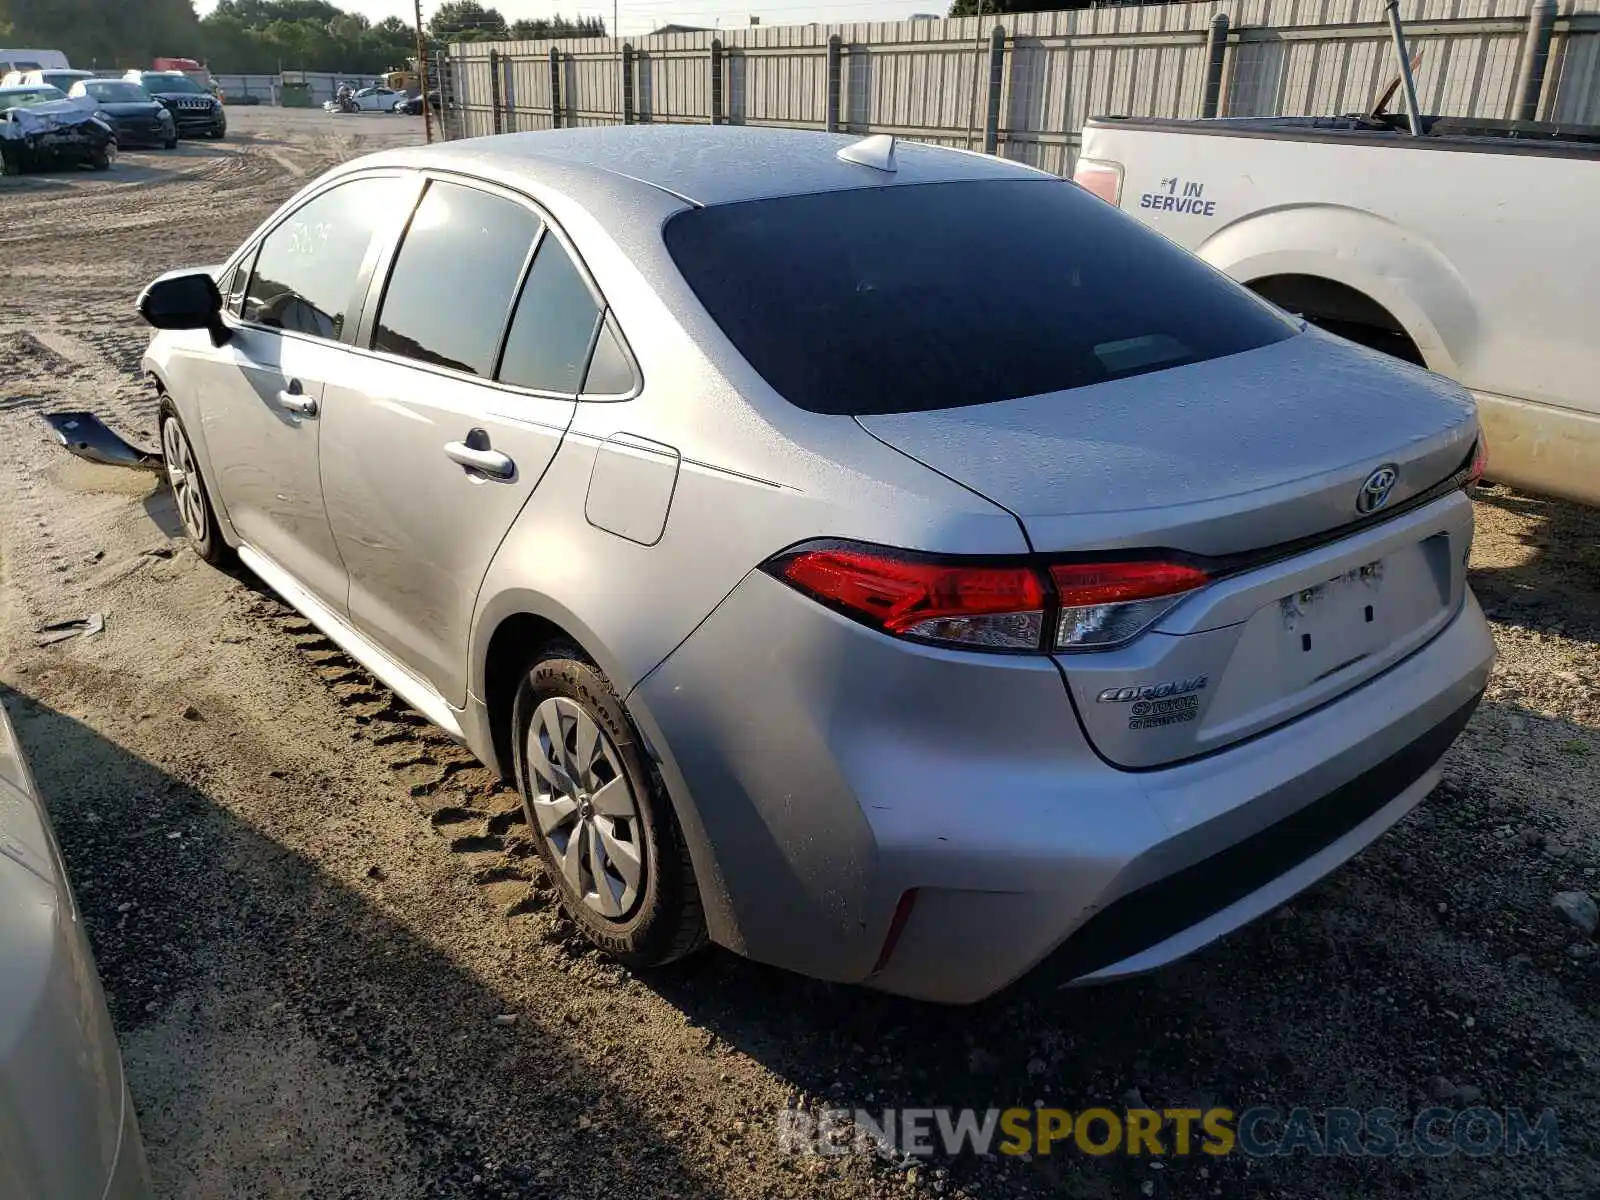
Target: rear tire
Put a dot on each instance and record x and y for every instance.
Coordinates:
(189, 491)
(605, 828)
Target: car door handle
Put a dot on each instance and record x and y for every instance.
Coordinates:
(298, 403)
(487, 462)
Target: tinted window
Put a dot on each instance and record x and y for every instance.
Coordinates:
(610, 369)
(900, 299)
(454, 279)
(171, 84)
(307, 268)
(554, 326)
(111, 92)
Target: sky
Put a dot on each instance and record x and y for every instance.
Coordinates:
(641, 16)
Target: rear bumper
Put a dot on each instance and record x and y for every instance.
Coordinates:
(821, 771)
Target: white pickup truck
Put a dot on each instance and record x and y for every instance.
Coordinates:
(1472, 248)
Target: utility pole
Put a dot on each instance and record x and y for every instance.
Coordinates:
(422, 71)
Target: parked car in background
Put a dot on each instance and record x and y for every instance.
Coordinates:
(138, 118)
(197, 112)
(41, 128)
(63, 79)
(67, 1122)
(31, 60)
(889, 562)
(411, 106)
(1340, 219)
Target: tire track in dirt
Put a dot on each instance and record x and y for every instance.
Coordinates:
(479, 814)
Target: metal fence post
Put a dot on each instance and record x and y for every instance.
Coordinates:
(835, 78)
(627, 83)
(1216, 52)
(494, 92)
(1535, 57)
(997, 74)
(555, 88)
(716, 81)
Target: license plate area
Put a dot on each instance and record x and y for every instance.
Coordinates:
(1337, 622)
(1318, 640)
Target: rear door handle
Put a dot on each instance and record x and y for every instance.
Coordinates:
(297, 402)
(486, 462)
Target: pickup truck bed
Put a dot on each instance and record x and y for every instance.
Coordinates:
(1472, 250)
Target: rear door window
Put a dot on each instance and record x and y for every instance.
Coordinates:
(455, 278)
(548, 348)
(919, 297)
(307, 269)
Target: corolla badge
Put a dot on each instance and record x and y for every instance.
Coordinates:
(1374, 493)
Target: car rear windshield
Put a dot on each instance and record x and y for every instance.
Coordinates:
(918, 297)
(117, 93)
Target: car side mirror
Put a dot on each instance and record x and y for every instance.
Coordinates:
(187, 301)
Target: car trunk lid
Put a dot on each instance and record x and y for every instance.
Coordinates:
(1259, 467)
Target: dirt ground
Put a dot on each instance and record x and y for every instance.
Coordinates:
(336, 973)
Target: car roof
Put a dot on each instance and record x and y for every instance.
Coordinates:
(702, 164)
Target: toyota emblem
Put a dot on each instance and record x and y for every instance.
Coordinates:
(1374, 493)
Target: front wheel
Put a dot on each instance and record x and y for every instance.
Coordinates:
(189, 491)
(603, 824)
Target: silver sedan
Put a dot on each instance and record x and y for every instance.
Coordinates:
(67, 1125)
(887, 562)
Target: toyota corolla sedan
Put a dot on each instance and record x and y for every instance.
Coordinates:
(887, 562)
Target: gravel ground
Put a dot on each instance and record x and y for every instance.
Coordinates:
(336, 972)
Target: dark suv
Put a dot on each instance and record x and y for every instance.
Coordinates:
(197, 112)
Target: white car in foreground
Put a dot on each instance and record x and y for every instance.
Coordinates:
(67, 1126)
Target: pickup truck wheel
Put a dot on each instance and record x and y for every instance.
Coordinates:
(189, 491)
(603, 825)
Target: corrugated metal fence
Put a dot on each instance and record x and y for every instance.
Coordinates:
(1023, 86)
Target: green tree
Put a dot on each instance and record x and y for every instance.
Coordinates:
(465, 21)
(973, 8)
(94, 34)
(543, 28)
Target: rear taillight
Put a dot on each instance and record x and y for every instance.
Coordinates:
(1106, 604)
(1480, 463)
(1103, 179)
(986, 606)
(983, 605)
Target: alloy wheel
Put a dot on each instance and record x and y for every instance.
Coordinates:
(583, 806)
(185, 480)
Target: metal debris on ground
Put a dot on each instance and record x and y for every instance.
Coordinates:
(60, 631)
(87, 436)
